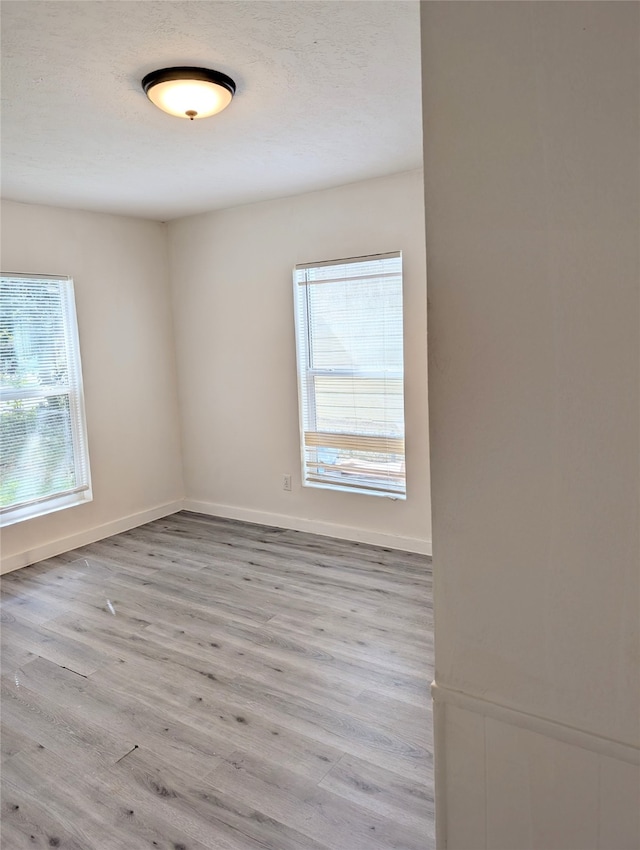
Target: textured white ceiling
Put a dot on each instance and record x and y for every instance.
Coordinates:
(328, 93)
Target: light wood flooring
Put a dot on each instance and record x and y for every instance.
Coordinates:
(202, 683)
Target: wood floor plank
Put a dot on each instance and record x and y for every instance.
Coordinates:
(208, 684)
(214, 708)
(313, 810)
(120, 714)
(282, 645)
(369, 741)
(389, 713)
(13, 654)
(384, 653)
(227, 658)
(61, 730)
(399, 798)
(27, 821)
(211, 814)
(88, 811)
(12, 741)
(66, 652)
(34, 607)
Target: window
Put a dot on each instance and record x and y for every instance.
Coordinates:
(44, 462)
(350, 374)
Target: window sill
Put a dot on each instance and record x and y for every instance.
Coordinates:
(341, 488)
(11, 516)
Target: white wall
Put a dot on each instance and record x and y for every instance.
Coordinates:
(231, 276)
(531, 186)
(119, 266)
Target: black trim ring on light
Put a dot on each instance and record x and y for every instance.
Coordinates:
(183, 72)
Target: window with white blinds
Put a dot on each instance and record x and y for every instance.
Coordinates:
(44, 460)
(350, 374)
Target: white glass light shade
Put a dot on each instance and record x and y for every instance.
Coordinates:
(189, 92)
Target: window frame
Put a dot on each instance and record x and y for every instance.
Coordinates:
(74, 391)
(306, 387)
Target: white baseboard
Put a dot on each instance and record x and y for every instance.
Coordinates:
(90, 535)
(326, 529)
(536, 723)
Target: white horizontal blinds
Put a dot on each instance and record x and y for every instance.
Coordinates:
(42, 434)
(350, 356)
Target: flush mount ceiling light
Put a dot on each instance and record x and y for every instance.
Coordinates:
(189, 92)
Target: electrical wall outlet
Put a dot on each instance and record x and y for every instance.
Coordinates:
(286, 482)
